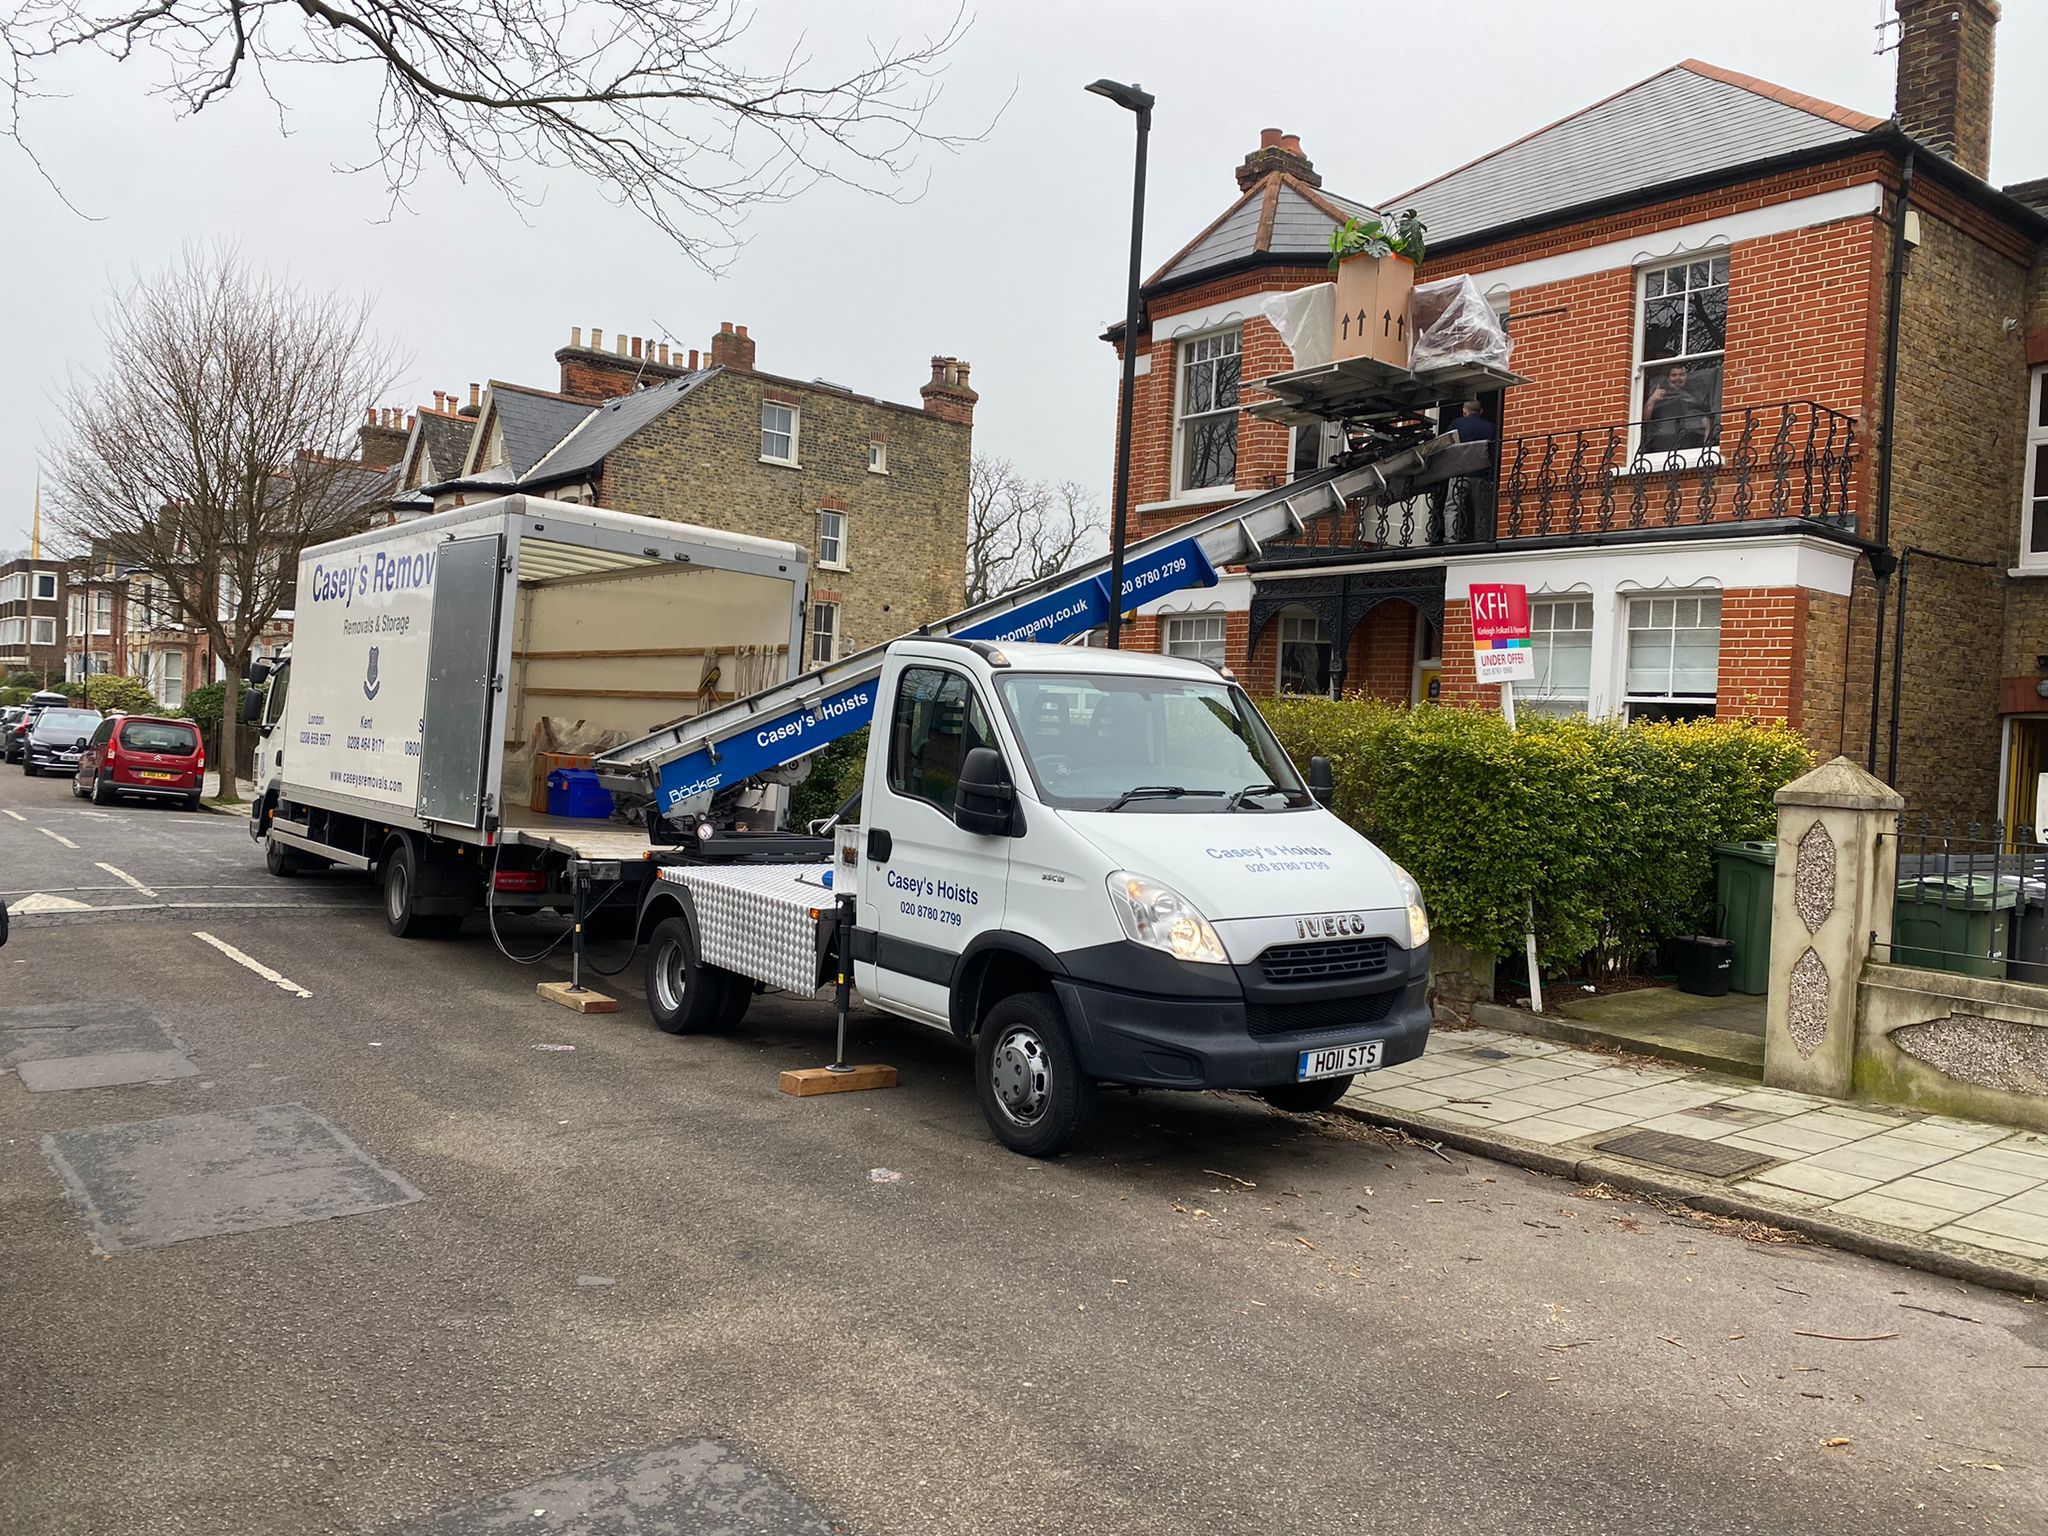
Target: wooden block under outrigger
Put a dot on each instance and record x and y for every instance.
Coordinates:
(582, 999)
(807, 1081)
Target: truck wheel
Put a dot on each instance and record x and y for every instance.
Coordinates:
(1028, 1078)
(685, 995)
(401, 884)
(278, 859)
(739, 994)
(1306, 1098)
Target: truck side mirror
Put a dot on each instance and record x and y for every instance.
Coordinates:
(1322, 784)
(259, 669)
(985, 800)
(252, 707)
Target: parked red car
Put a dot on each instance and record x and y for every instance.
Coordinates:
(142, 755)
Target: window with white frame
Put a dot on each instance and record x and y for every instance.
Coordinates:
(832, 540)
(1561, 641)
(13, 588)
(102, 664)
(13, 631)
(46, 586)
(1197, 636)
(779, 425)
(103, 613)
(1304, 653)
(1674, 657)
(171, 690)
(1315, 448)
(1681, 336)
(77, 613)
(878, 457)
(824, 633)
(2034, 499)
(1205, 412)
(42, 631)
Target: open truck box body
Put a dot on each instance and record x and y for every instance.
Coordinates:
(424, 655)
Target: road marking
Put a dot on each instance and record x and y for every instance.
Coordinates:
(59, 836)
(15, 814)
(42, 902)
(125, 878)
(255, 965)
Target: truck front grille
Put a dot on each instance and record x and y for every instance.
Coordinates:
(1334, 1013)
(1284, 964)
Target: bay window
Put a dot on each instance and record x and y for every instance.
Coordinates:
(1197, 636)
(1205, 412)
(1561, 638)
(1674, 657)
(1304, 653)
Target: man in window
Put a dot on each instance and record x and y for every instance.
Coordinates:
(1674, 417)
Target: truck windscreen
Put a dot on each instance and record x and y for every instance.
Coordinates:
(1092, 738)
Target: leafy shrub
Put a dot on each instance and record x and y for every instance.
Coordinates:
(835, 775)
(203, 705)
(130, 695)
(1611, 828)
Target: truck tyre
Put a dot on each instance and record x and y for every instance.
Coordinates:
(1306, 1098)
(278, 859)
(1028, 1078)
(685, 995)
(739, 994)
(401, 882)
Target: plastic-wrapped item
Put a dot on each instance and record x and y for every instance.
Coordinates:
(1306, 319)
(1452, 323)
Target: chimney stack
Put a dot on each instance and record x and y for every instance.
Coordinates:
(593, 374)
(1277, 151)
(949, 396)
(475, 407)
(733, 348)
(1944, 91)
(380, 440)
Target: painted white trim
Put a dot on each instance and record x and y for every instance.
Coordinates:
(1779, 560)
(1208, 496)
(1231, 594)
(1211, 317)
(1684, 240)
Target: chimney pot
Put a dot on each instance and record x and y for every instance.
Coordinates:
(476, 398)
(663, 350)
(576, 336)
(618, 346)
(725, 328)
(739, 330)
(1268, 137)
(636, 346)
(597, 338)
(370, 416)
(1291, 143)
(693, 360)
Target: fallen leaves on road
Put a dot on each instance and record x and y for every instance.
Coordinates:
(1834, 1444)
(1985, 1466)
(1749, 1231)
(1219, 1173)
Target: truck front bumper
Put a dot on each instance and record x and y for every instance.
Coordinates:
(1149, 1040)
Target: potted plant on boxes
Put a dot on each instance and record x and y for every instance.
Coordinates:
(1374, 259)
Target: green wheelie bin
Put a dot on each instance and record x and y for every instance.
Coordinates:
(1743, 873)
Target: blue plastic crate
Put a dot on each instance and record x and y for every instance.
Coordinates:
(576, 792)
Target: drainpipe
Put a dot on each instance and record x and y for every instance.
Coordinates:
(1881, 558)
(1891, 767)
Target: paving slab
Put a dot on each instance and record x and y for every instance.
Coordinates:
(147, 1183)
(103, 1069)
(46, 1031)
(691, 1488)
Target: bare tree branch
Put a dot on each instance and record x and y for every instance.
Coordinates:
(1019, 530)
(667, 105)
(219, 443)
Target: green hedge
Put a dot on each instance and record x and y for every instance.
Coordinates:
(1611, 828)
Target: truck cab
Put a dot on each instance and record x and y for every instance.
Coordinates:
(1101, 867)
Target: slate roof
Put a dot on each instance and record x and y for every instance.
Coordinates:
(1691, 120)
(603, 429)
(444, 440)
(532, 421)
(1279, 218)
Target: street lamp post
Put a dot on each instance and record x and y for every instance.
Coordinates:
(1131, 98)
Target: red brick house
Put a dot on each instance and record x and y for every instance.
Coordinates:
(1720, 539)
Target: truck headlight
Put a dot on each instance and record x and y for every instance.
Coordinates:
(1418, 916)
(1159, 916)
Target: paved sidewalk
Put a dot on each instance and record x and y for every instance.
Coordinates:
(1932, 1185)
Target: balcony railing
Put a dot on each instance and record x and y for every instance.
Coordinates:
(1791, 459)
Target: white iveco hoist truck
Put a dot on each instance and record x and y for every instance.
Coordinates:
(1097, 866)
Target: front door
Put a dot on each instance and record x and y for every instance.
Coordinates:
(936, 887)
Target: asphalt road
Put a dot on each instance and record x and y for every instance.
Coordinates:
(1215, 1319)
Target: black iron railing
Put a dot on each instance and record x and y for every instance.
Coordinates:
(1792, 459)
(1970, 898)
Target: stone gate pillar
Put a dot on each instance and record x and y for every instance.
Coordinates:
(1832, 892)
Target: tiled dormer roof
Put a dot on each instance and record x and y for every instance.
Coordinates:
(1279, 218)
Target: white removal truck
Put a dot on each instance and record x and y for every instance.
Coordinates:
(1098, 866)
(395, 736)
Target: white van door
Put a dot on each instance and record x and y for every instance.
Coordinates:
(934, 886)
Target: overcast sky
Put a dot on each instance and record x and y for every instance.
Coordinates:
(1012, 256)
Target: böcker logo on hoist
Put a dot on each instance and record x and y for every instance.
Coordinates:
(370, 683)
